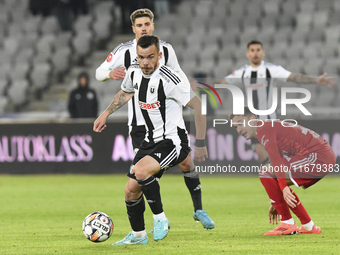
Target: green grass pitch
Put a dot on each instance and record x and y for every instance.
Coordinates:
(43, 214)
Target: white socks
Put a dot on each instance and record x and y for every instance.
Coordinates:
(290, 221)
(309, 225)
(139, 234)
(159, 216)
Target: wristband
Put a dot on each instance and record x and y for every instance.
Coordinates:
(200, 143)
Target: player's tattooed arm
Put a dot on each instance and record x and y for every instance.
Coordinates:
(301, 78)
(321, 80)
(120, 99)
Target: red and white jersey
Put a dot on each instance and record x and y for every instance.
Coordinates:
(125, 55)
(285, 140)
(261, 80)
(160, 99)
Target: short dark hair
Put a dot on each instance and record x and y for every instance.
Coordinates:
(147, 40)
(254, 42)
(141, 13)
(247, 112)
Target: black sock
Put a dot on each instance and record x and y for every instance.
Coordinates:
(151, 190)
(135, 211)
(193, 183)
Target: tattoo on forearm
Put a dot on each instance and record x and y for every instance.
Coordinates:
(301, 78)
(119, 100)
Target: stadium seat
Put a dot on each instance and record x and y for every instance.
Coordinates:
(50, 25)
(219, 12)
(40, 75)
(320, 20)
(224, 68)
(102, 27)
(317, 34)
(33, 24)
(103, 8)
(271, 7)
(193, 41)
(331, 67)
(228, 52)
(45, 44)
(82, 44)
(12, 44)
(30, 41)
(61, 61)
(250, 33)
(5, 69)
(20, 71)
(325, 96)
(307, 6)
(230, 38)
(311, 52)
(18, 92)
(290, 7)
(276, 52)
(313, 67)
(208, 53)
(83, 23)
(295, 65)
(299, 35)
(326, 6)
(187, 9)
(164, 34)
(328, 51)
(14, 29)
(332, 34)
(63, 40)
(3, 86)
(203, 8)
(3, 104)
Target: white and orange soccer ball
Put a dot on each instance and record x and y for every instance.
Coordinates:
(97, 227)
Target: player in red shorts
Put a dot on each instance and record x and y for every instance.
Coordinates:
(298, 156)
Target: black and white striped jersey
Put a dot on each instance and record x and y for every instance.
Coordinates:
(160, 97)
(261, 79)
(125, 55)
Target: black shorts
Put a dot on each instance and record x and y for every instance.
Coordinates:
(165, 152)
(137, 135)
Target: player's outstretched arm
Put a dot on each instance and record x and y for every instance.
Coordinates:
(117, 74)
(119, 100)
(305, 79)
(200, 153)
(103, 74)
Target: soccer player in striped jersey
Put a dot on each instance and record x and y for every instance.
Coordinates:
(115, 66)
(298, 156)
(160, 94)
(261, 77)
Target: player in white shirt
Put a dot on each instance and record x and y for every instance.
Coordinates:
(161, 95)
(115, 66)
(261, 76)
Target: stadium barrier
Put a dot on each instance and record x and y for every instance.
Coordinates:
(72, 147)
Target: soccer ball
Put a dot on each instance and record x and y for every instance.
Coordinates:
(97, 227)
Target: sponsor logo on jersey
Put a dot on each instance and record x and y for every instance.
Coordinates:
(135, 86)
(146, 106)
(257, 86)
(152, 89)
(109, 57)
